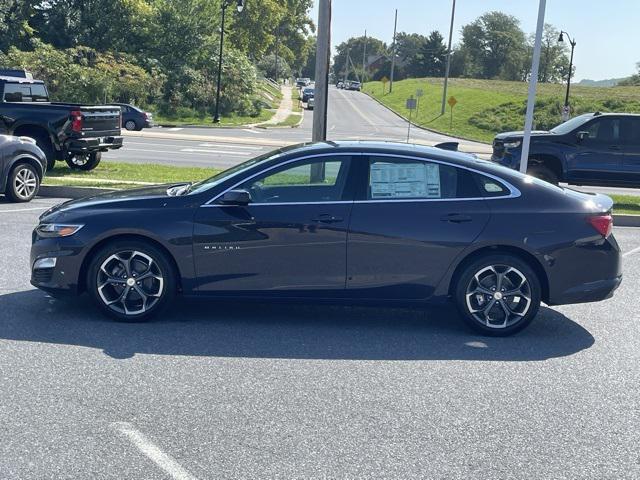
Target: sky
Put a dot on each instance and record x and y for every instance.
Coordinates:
(607, 32)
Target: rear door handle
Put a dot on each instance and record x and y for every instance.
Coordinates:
(455, 218)
(327, 218)
(614, 147)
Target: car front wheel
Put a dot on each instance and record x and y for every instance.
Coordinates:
(498, 295)
(84, 161)
(23, 183)
(131, 281)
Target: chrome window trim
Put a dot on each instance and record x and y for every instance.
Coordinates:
(513, 191)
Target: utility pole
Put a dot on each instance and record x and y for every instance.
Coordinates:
(323, 52)
(393, 52)
(533, 82)
(277, 39)
(346, 64)
(364, 58)
(448, 67)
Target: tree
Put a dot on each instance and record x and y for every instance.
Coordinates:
(268, 67)
(355, 47)
(14, 22)
(408, 48)
(554, 61)
(632, 80)
(430, 60)
(495, 46)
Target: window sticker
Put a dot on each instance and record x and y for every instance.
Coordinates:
(405, 180)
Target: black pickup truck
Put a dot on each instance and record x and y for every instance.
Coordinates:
(72, 132)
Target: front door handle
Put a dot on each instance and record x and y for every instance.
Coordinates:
(327, 218)
(455, 218)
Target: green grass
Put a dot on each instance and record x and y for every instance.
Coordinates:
(626, 204)
(486, 107)
(207, 120)
(109, 174)
(127, 172)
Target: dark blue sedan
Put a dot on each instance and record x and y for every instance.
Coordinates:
(134, 118)
(344, 221)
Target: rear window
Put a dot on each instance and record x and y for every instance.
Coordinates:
(491, 187)
(25, 92)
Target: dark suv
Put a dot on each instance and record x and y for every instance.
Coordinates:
(590, 149)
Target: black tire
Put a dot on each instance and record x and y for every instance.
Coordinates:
(23, 183)
(474, 306)
(84, 162)
(45, 145)
(131, 125)
(128, 303)
(543, 173)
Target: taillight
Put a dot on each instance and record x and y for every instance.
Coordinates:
(602, 223)
(76, 121)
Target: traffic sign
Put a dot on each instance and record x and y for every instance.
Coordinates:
(384, 80)
(411, 103)
(452, 101)
(419, 92)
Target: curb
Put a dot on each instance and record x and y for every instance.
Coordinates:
(209, 138)
(61, 191)
(429, 129)
(626, 220)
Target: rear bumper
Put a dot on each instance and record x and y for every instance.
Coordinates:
(588, 292)
(96, 144)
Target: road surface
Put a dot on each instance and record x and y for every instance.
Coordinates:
(240, 391)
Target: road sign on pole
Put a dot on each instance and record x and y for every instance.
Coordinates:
(419, 93)
(452, 103)
(384, 81)
(411, 105)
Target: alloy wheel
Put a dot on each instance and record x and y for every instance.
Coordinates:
(130, 282)
(498, 296)
(25, 183)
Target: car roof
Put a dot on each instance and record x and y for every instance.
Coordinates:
(5, 78)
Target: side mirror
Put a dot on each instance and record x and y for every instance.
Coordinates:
(582, 135)
(236, 197)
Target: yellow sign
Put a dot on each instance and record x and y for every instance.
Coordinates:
(384, 80)
(452, 101)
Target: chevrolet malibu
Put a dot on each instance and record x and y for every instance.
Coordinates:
(340, 221)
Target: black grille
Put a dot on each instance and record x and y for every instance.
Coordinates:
(498, 147)
(42, 275)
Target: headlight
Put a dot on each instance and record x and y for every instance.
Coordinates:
(53, 230)
(514, 144)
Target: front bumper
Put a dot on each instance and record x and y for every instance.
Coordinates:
(64, 276)
(96, 144)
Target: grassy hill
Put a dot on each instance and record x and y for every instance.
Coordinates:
(486, 107)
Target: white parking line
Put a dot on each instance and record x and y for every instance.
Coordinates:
(174, 129)
(226, 152)
(251, 131)
(153, 452)
(229, 146)
(631, 252)
(23, 210)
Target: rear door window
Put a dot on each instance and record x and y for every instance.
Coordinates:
(397, 178)
(604, 131)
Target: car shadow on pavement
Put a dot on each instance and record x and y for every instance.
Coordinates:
(225, 329)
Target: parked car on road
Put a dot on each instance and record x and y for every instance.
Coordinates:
(590, 149)
(303, 82)
(340, 221)
(311, 102)
(134, 118)
(306, 93)
(353, 85)
(340, 85)
(72, 132)
(22, 168)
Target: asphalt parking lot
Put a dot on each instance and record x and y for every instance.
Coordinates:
(275, 391)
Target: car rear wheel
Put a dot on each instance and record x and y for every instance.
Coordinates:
(130, 125)
(44, 144)
(23, 183)
(543, 173)
(498, 295)
(131, 281)
(84, 161)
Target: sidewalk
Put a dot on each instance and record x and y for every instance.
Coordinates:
(284, 110)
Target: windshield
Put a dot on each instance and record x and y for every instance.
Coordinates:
(222, 176)
(572, 124)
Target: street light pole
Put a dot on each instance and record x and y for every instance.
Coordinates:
(572, 42)
(323, 52)
(364, 58)
(240, 7)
